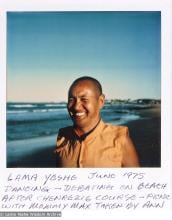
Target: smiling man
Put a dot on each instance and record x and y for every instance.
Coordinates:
(90, 142)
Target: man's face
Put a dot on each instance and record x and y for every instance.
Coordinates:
(84, 104)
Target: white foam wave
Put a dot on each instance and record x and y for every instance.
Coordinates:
(22, 105)
(57, 110)
(40, 110)
(55, 105)
(16, 112)
(61, 110)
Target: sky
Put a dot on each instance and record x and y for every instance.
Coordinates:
(47, 51)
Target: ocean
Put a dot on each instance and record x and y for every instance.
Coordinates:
(34, 126)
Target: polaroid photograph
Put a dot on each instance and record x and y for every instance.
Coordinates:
(85, 108)
(47, 51)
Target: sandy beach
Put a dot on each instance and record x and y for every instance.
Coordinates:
(145, 133)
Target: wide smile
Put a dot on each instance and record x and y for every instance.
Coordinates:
(78, 114)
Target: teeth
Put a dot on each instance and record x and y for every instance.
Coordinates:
(80, 114)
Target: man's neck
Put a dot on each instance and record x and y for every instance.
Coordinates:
(83, 131)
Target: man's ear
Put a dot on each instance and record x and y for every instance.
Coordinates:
(101, 100)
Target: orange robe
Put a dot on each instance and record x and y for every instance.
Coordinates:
(103, 147)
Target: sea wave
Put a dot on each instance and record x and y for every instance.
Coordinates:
(22, 105)
(38, 110)
(37, 115)
(50, 110)
(55, 105)
(16, 112)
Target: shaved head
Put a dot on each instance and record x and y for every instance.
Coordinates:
(96, 84)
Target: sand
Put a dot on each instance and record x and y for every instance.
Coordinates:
(146, 136)
(145, 133)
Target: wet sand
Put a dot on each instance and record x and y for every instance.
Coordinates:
(145, 133)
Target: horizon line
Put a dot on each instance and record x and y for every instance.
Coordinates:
(59, 101)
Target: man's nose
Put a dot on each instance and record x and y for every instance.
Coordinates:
(77, 105)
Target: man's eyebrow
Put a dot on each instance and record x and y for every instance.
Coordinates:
(81, 96)
(84, 96)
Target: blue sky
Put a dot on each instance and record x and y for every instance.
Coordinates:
(46, 51)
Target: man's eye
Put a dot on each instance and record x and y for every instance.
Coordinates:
(84, 100)
(70, 100)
